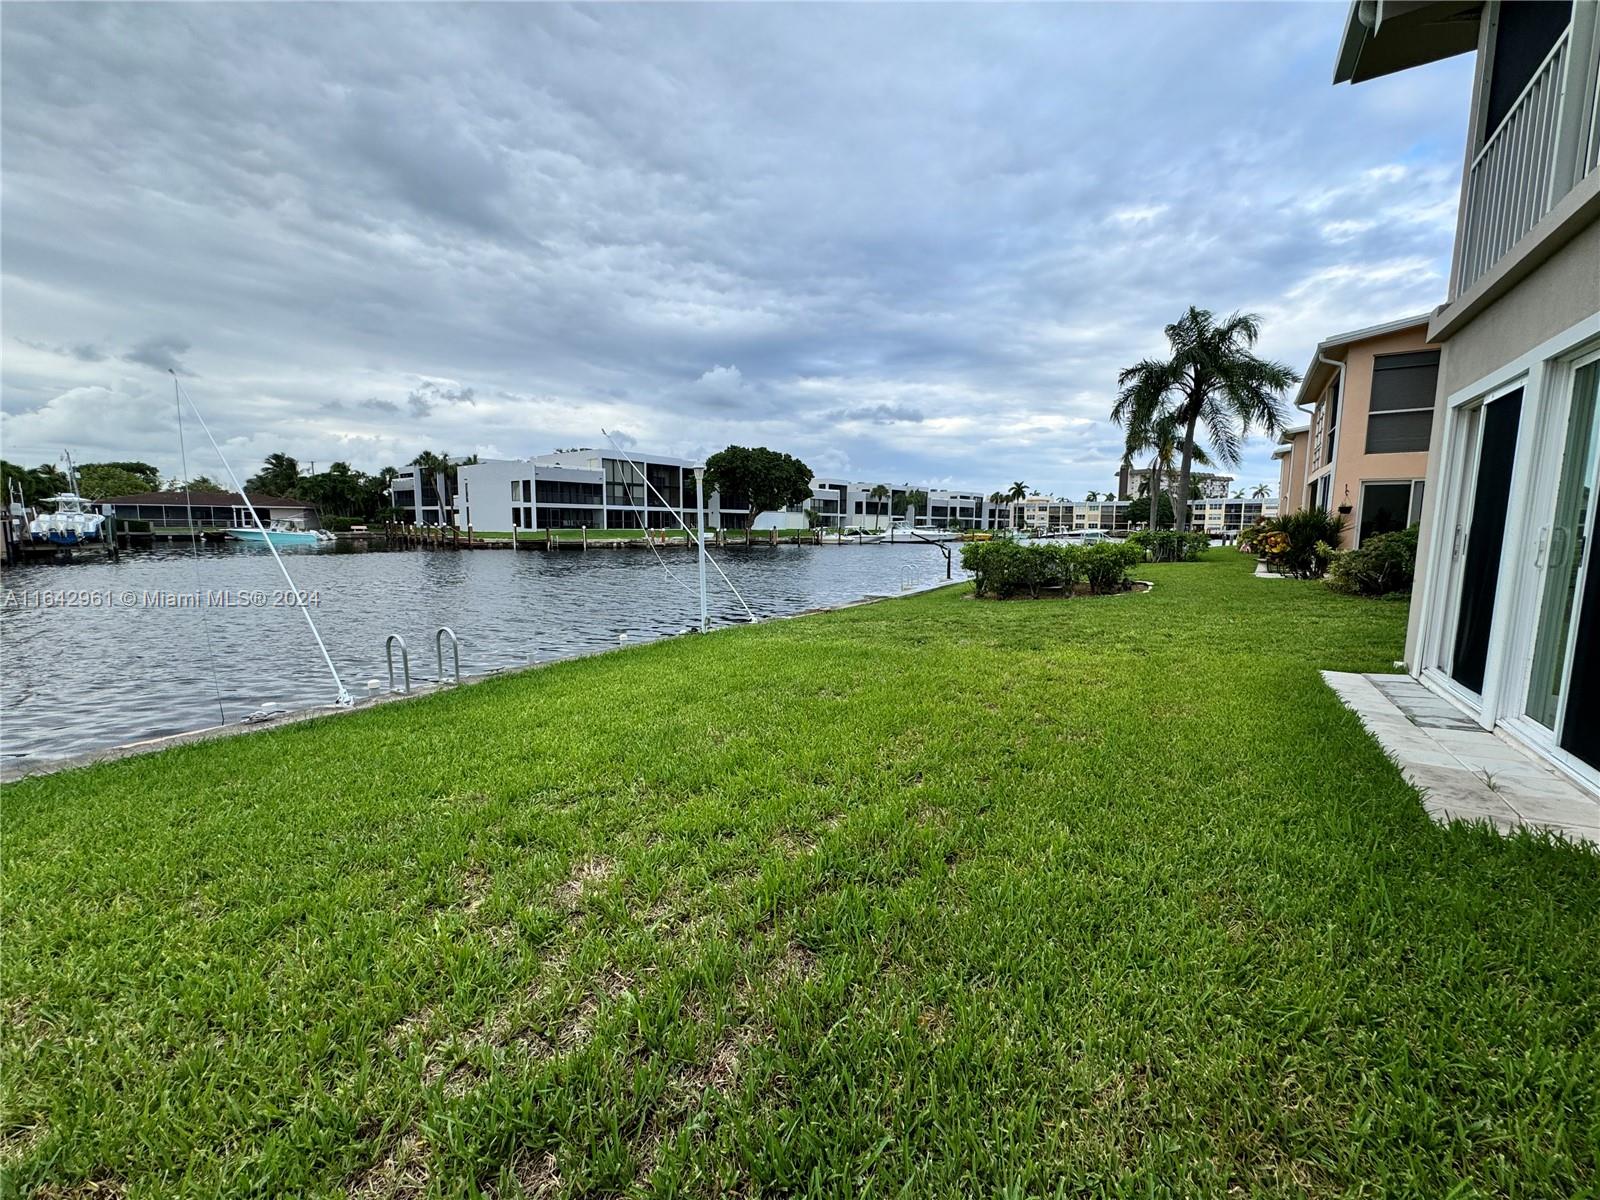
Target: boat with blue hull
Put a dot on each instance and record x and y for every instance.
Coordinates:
(281, 533)
(70, 525)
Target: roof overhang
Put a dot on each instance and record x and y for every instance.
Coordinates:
(1319, 371)
(1285, 436)
(1385, 36)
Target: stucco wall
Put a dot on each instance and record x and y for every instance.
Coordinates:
(1353, 466)
(1292, 475)
(1560, 292)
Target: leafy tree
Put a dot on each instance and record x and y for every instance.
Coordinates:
(879, 494)
(1139, 511)
(36, 483)
(279, 476)
(201, 483)
(1212, 379)
(148, 475)
(339, 491)
(97, 481)
(758, 479)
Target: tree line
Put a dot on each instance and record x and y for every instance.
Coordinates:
(339, 491)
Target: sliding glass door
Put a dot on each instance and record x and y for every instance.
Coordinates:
(1564, 688)
(1480, 541)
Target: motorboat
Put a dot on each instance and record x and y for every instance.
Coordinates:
(281, 533)
(70, 525)
(854, 533)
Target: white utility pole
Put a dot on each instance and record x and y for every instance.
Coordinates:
(700, 538)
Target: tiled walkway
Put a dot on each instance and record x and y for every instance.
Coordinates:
(1463, 771)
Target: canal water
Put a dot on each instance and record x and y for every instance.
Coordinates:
(101, 653)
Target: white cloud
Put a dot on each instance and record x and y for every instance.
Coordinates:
(916, 243)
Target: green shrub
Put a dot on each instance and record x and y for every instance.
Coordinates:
(1106, 565)
(1005, 568)
(1301, 544)
(1380, 566)
(1168, 545)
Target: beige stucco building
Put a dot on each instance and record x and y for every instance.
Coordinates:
(1505, 618)
(1368, 396)
(1290, 454)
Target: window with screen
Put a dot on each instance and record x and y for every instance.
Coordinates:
(1400, 417)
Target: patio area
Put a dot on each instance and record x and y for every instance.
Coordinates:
(1465, 772)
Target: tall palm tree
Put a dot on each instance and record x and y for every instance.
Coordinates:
(1239, 495)
(1019, 491)
(1092, 496)
(1213, 379)
(1161, 439)
(879, 493)
(996, 499)
(1261, 492)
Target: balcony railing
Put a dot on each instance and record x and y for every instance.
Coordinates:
(1591, 160)
(1509, 184)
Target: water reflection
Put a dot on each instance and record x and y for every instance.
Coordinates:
(134, 663)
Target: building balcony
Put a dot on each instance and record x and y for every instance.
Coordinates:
(1547, 142)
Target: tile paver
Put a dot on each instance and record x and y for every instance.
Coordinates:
(1465, 772)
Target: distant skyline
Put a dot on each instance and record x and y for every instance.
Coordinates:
(902, 242)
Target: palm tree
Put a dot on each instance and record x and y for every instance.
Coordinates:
(1213, 379)
(1019, 491)
(1261, 492)
(1161, 439)
(1092, 496)
(1239, 495)
(996, 499)
(879, 493)
(279, 476)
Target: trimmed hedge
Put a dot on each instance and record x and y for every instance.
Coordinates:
(1380, 566)
(1168, 545)
(1004, 569)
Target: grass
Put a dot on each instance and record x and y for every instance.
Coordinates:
(926, 898)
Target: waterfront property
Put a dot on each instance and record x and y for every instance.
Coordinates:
(424, 497)
(601, 490)
(1133, 482)
(843, 502)
(809, 926)
(1226, 515)
(597, 489)
(1506, 618)
(210, 510)
(1363, 454)
(1042, 514)
(1219, 515)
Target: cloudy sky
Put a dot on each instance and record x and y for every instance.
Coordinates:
(914, 242)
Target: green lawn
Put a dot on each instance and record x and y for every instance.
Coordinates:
(931, 897)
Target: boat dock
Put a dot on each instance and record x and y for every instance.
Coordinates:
(436, 537)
